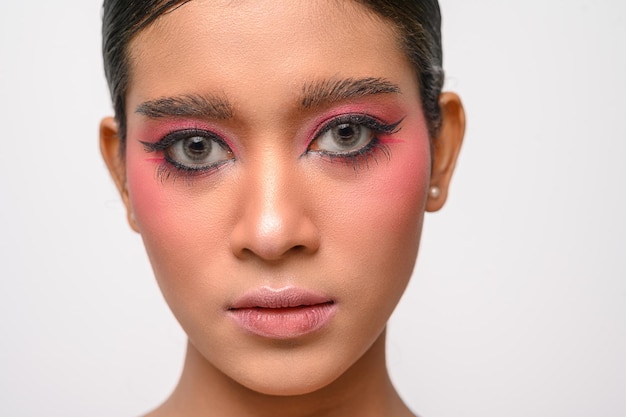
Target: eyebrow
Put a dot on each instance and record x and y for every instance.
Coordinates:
(211, 106)
(314, 94)
(334, 90)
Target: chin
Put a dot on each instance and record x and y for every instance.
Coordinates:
(293, 377)
(289, 387)
(287, 368)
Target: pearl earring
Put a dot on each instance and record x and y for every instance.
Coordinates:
(434, 192)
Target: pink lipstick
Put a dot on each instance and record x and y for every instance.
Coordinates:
(283, 313)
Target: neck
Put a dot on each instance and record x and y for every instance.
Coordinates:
(364, 390)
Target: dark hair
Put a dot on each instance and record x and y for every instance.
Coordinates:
(418, 22)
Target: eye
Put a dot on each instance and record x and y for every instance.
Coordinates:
(350, 134)
(192, 149)
(197, 152)
(343, 138)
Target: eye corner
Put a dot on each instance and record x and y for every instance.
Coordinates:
(149, 146)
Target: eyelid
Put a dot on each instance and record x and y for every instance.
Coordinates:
(177, 135)
(361, 119)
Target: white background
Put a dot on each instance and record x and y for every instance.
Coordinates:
(517, 306)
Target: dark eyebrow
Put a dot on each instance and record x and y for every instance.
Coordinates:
(212, 107)
(333, 90)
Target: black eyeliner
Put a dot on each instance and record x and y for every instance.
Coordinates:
(173, 137)
(172, 169)
(363, 155)
(361, 120)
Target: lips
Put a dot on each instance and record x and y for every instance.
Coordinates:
(284, 313)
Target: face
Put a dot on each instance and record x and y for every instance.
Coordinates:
(277, 169)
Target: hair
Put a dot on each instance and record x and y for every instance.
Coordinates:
(417, 21)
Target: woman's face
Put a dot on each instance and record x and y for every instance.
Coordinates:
(277, 169)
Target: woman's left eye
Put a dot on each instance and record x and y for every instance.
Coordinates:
(350, 135)
(343, 138)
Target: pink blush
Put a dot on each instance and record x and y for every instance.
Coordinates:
(151, 201)
(405, 177)
(387, 139)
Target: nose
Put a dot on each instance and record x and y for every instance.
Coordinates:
(275, 221)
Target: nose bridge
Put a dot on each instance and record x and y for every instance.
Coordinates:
(269, 200)
(274, 220)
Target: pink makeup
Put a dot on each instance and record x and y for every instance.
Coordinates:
(283, 266)
(385, 110)
(154, 130)
(284, 313)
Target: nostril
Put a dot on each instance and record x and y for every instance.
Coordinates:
(272, 250)
(274, 254)
(299, 248)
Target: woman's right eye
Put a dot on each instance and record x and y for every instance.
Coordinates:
(192, 150)
(197, 152)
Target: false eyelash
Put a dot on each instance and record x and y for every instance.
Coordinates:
(369, 152)
(363, 120)
(173, 137)
(362, 157)
(170, 170)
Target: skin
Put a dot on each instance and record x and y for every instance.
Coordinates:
(279, 213)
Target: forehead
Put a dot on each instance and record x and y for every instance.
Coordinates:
(249, 44)
(242, 18)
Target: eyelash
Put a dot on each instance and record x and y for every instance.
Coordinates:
(171, 169)
(363, 155)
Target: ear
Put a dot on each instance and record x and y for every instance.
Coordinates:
(111, 153)
(445, 148)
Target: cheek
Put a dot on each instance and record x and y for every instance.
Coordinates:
(166, 216)
(150, 201)
(381, 224)
(391, 195)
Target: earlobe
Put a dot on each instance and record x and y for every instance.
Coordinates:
(446, 147)
(110, 149)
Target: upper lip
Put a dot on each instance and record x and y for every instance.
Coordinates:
(266, 297)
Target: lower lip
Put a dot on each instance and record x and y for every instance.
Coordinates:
(284, 323)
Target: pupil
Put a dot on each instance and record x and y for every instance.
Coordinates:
(197, 147)
(347, 133)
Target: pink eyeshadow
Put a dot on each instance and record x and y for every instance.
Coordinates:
(385, 110)
(154, 130)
